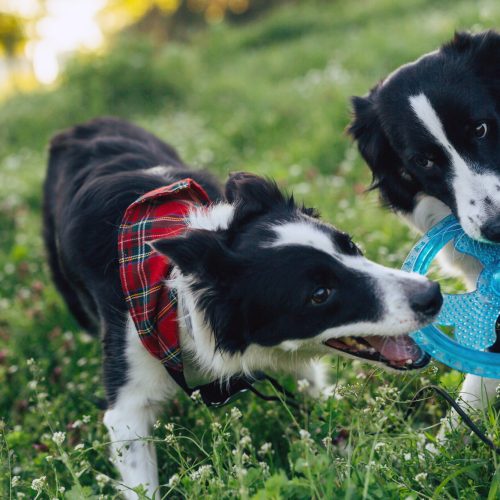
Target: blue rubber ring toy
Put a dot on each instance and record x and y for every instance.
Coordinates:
(472, 316)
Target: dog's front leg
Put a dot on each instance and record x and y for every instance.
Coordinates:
(475, 394)
(476, 391)
(137, 384)
(312, 378)
(129, 428)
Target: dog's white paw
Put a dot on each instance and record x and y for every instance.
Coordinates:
(313, 379)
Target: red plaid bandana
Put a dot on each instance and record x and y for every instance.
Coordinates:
(161, 213)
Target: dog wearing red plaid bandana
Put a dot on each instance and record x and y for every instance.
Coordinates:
(174, 272)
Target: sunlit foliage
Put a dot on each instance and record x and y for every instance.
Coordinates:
(12, 34)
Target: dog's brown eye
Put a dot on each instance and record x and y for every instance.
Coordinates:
(480, 130)
(423, 162)
(320, 295)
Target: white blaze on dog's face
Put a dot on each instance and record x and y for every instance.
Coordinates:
(476, 191)
(271, 277)
(433, 127)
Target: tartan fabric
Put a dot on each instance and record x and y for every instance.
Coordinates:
(161, 213)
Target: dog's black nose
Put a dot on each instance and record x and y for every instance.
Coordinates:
(491, 230)
(428, 300)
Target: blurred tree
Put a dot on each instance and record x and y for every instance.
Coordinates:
(117, 14)
(12, 34)
(175, 18)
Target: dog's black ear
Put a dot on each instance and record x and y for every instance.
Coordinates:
(486, 57)
(481, 50)
(252, 195)
(250, 188)
(199, 252)
(461, 42)
(396, 186)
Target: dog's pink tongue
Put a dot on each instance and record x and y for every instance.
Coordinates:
(397, 349)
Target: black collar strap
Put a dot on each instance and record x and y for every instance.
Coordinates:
(215, 394)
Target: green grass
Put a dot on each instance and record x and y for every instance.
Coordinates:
(269, 97)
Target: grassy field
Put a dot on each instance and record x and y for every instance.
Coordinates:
(269, 97)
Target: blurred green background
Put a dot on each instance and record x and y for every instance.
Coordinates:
(234, 85)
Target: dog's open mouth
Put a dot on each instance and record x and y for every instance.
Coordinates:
(400, 353)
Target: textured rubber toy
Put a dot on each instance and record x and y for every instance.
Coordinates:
(472, 316)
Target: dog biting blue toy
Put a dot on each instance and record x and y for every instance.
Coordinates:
(471, 316)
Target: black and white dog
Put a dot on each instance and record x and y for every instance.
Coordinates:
(261, 283)
(430, 133)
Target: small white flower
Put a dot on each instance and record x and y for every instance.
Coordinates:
(239, 471)
(304, 435)
(169, 427)
(407, 456)
(265, 448)
(76, 424)
(421, 477)
(202, 473)
(30, 362)
(15, 481)
(245, 441)
(327, 441)
(432, 369)
(378, 446)
(32, 385)
(216, 426)
(196, 396)
(169, 439)
(38, 484)
(59, 437)
(431, 448)
(245, 458)
(235, 413)
(79, 446)
(68, 335)
(86, 419)
(174, 481)
(102, 479)
(303, 385)
(264, 467)
(156, 425)
(49, 458)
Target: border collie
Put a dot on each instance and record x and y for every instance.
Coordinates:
(260, 282)
(430, 132)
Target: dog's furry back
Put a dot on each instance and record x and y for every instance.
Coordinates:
(96, 170)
